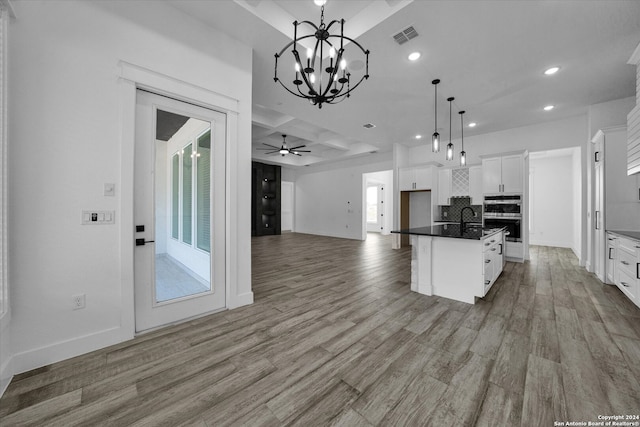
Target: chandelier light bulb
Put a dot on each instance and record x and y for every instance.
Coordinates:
(463, 158)
(309, 53)
(343, 64)
(298, 68)
(332, 53)
(313, 78)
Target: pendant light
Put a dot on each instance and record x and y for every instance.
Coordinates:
(450, 144)
(435, 138)
(463, 155)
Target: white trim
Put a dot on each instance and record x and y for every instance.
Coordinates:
(635, 56)
(133, 77)
(6, 357)
(169, 86)
(66, 349)
(6, 4)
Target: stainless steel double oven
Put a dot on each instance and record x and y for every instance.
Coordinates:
(504, 211)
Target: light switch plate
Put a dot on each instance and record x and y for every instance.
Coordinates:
(109, 189)
(98, 217)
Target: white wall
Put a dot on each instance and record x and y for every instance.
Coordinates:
(63, 73)
(329, 199)
(609, 114)
(551, 199)
(419, 209)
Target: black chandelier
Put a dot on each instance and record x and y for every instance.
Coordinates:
(325, 77)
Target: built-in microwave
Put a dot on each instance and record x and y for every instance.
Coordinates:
(503, 206)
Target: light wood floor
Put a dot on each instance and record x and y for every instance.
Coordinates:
(336, 337)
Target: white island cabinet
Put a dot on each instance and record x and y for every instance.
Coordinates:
(458, 264)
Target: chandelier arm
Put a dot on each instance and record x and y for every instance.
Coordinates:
(304, 78)
(310, 23)
(365, 51)
(352, 88)
(332, 75)
(338, 21)
(292, 92)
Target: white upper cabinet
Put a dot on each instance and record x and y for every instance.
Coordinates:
(423, 177)
(444, 186)
(475, 185)
(415, 178)
(633, 122)
(504, 174)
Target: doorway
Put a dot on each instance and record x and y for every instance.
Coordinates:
(286, 205)
(555, 198)
(179, 208)
(377, 212)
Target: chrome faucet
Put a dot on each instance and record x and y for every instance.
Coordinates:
(462, 224)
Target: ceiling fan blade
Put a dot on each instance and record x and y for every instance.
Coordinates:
(271, 152)
(265, 149)
(302, 151)
(297, 154)
(299, 146)
(272, 146)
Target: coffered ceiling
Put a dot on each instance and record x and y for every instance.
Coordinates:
(490, 55)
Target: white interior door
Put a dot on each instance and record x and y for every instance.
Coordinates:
(375, 211)
(286, 206)
(179, 211)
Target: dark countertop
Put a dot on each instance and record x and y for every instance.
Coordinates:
(452, 231)
(624, 233)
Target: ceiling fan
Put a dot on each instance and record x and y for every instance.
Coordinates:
(283, 150)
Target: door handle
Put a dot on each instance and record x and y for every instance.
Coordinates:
(595, 156)
(597, 212)
(610, 249)
(638, 270)
(500, 244)
(142, 242)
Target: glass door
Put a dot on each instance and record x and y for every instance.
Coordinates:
(179, 211)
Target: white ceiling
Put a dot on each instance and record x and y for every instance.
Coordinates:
(489, 55)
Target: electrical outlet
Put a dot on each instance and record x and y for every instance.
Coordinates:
(78, 301)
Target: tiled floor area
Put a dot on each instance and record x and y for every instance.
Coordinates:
(174, 280)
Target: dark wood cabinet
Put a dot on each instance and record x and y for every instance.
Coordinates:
(265, 202)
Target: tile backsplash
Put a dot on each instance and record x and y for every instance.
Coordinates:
(453, 210)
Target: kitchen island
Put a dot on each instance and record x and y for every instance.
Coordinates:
(459, 262)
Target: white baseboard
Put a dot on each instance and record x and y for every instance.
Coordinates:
(550, 243)
(6, 374)
(240, 300)
(36, 358)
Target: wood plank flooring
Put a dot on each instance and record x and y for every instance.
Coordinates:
(335, 337)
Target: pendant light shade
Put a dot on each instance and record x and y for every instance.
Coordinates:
(463, 155)
(450, 144)
(435, 138)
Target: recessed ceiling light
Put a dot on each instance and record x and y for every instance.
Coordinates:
(472, 124)
(320, 2)
(551, 70)
(548, 108)
(413, 56)
(418, 136)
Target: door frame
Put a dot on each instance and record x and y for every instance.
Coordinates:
(131, 78)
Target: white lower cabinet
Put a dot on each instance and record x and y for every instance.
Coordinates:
(626, 266)
(493, 250)
(610, 263)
